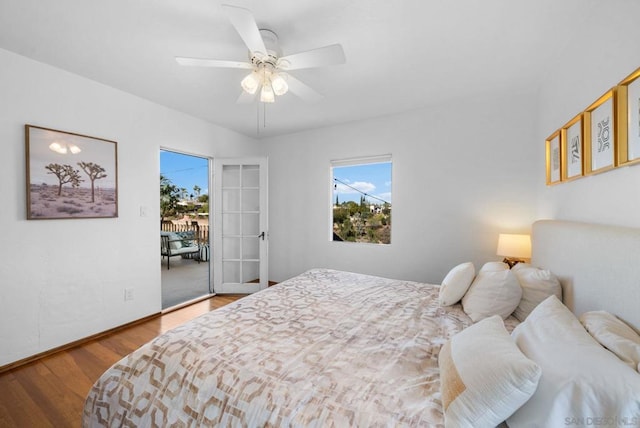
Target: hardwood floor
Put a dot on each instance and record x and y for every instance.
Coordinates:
(50, 392)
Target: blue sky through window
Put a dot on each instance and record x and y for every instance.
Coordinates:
(353, 181)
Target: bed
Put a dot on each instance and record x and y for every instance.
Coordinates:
(323, 348)
(330, 348)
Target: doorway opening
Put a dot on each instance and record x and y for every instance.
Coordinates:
(184, 228)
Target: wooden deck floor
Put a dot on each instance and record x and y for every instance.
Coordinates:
(51, 391)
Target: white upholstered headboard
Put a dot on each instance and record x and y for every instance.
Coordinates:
(598, 265)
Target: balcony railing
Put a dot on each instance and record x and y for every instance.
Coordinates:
(201, 231)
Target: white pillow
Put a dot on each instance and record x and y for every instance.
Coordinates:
(537, 285)
(492, 293)
(580, 379)
(456, 283)
(614, 335)
(494, 267)
(479, 392)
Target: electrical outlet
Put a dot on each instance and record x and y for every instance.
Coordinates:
(128, 294)
(143, 211)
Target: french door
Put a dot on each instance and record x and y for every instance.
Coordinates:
(240, 235)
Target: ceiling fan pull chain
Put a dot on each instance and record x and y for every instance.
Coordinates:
(258, 118)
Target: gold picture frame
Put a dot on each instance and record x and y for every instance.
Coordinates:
(572, 139)
(600, 134)
(628, 119)
(69, 175)
(553, 148)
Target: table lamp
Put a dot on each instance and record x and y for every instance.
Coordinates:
(514, 248)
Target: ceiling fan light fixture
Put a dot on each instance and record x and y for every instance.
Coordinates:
(268, 69)
(267, 95)
(279, 84)
(251, 83)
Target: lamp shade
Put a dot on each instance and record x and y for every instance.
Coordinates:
(251, 83)
(267, 95)
(518, 246)
(279, 84)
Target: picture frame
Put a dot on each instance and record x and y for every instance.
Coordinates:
(571, 136)
(69, 175)
(628, 119)
(554, 156)
(600, 134)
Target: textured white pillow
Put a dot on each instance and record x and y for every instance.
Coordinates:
(537, 285)
(492, 293)
(580, 379)
(456, 283)
(483, 392)
(614, 335)
(494, 267)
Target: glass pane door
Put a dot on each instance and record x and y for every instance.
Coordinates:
(240, 236)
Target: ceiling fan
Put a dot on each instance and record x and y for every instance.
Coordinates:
(269, 69)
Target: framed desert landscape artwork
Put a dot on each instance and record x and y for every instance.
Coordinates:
(70, 175)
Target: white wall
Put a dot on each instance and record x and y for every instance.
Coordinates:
(462, 173)
(62, 280)
(600, 56)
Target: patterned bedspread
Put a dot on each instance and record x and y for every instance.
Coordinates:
(325, 348)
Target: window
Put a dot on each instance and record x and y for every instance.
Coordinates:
(361, 200)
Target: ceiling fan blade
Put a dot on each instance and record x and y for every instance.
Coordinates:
(302, 90)
(246, 98)
(203, 62)
(328, 55)
(245, 24)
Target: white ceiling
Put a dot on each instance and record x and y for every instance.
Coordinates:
(401, 55)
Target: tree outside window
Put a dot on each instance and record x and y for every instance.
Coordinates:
(361, 198)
